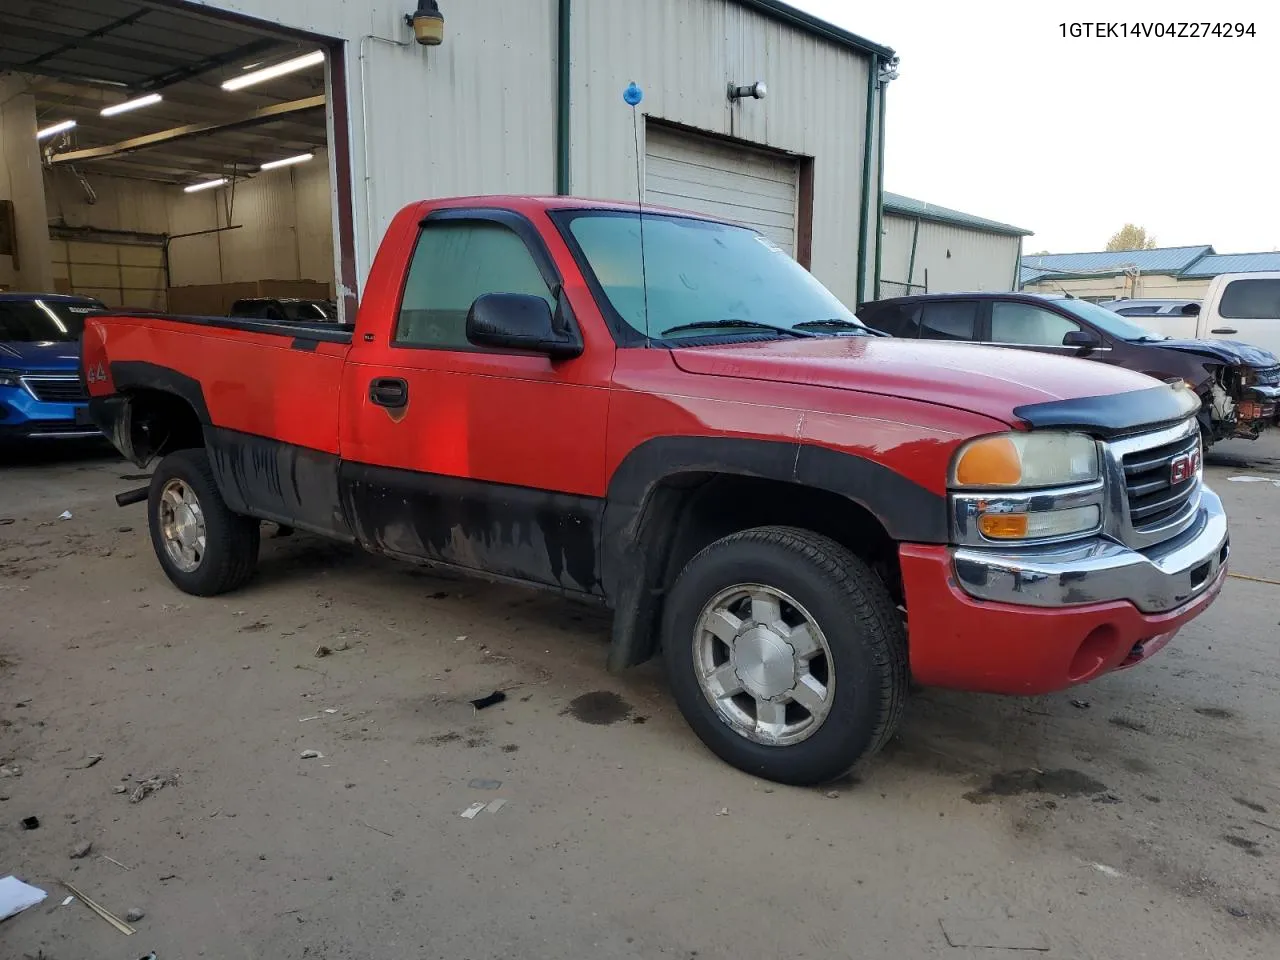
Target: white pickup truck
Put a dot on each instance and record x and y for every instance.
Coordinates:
(1237, 306)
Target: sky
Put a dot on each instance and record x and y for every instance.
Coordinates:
(997, 114)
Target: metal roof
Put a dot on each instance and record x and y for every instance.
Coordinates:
(1187, 263)
(1172, 260)
(83, 55)
(807, 22)
(1212, 266)
(897, 205)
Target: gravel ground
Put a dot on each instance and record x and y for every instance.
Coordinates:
(1135, 817)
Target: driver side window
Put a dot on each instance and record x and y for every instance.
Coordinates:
(455, 262)
(1027, 325)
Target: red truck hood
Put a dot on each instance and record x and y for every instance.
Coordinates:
(987, 380)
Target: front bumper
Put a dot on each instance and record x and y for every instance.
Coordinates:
(23, 417)
(1047, 618)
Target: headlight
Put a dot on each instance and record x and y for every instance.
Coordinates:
(1025, 460)
(9, 378)
(1027, 487)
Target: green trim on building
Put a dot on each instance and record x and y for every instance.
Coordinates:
(564, 90)
(864, 206)
(898, 205)
(818, 28)
(880, 188)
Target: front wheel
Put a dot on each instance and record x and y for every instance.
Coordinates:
(786, 654)
(202, 546)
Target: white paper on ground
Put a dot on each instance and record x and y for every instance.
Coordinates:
(471, 811)
(16, 896)
(1246, 479)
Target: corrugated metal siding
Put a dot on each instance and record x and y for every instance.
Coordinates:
(477, 114)
(684, 54)
(1160, 260)
(957, 259)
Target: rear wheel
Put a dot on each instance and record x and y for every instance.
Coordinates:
(786, 654)
(202, 546)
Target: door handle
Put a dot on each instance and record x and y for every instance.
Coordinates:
(1224, 330)
(389, 392)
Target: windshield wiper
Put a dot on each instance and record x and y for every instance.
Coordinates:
(717, 324)
(834, 322)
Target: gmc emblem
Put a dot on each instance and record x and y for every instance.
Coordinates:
(1183, 468)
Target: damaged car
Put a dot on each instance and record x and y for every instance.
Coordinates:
(1238, 384)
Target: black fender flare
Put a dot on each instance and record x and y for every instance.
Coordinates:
(634, 545)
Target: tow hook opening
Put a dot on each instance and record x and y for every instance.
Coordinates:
(1095, 651)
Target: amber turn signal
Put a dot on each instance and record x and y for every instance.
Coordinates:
(993, 462)
(1003, 526)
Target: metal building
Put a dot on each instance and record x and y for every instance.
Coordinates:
(752, 110)
(926, 248)
(1180, 273)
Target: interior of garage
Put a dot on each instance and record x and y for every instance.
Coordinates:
(183, 158)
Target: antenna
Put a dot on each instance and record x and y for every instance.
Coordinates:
(632, 96)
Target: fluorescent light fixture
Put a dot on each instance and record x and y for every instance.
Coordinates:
(134, 104)
(62, 127)
(287, 161)
(204, 185)
(278, 70)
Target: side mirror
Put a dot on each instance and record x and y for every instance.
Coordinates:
(1083, 340)
(1191, 310)
(519, 321)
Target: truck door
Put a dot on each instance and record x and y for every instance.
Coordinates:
(484, 458)
(1249, 310)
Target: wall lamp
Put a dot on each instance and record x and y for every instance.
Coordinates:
(756, 91)
(427, 22)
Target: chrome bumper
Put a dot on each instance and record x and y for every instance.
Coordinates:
(1155, 580)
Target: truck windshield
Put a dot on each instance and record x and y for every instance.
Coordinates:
(701, 276)
(47, 321)
(1110, 322)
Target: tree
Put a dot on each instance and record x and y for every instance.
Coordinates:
(1131, 237)
(1041, 253)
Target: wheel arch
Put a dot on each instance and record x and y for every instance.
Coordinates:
(155, 411)
(673, 496)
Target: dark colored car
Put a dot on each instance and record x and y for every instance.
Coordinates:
(41, 394)
(285, 309)
(1223, 373)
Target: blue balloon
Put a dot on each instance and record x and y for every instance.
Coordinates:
(633, 94)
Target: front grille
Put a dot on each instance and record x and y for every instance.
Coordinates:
(56, 389)
(1153, 497)
(1267, 377)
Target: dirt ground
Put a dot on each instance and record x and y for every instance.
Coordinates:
(1135, 817)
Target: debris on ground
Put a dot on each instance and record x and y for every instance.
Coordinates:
(81, 850)
(149, 786)
(1238, 912)
(1249, 479)
(134, 914)
(30, 823)
(496, 805)
(65, 515)
(1081, 704)
(323, 651)
(68, 900)
(16, 896)
(101, 911)
(997, 933)
(5, 521)
(119, 788)
(1106, 871)
(12, 770)
(373, 828)
(311, 755)
(87, 762)
(480, 703)
(116, 862)
(305, 719)
(481, 784)
(723, 812)
(471, 811)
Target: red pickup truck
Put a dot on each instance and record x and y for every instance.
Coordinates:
(668, 415)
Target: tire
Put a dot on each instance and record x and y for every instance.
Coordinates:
(865, 654)
(230, 550)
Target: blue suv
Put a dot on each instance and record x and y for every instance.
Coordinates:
(41, 394)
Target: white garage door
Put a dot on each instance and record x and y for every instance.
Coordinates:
(118, 274)
(747, 186)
